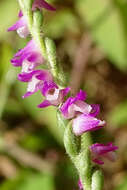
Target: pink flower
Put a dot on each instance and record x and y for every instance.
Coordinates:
(85, 122)
(20, 26)
(20, 14)
(54, 95)
(100, 151)
(75, 105)
(35, 80)
(80, 184)
(29, 57)
(39, 4)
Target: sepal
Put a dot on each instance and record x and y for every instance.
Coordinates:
(84, 167)
(62, 122)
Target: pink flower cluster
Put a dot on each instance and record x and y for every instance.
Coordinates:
(29, 58)
(83, 115)
(21, 25)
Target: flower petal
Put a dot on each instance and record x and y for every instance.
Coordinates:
(81, 95)
(20, 14)
(48, 85)
(20, 23)
(95, 110)
(103, 151)
(26, 77)
(42, 4)
(80, 184)
(65, 91)
(44, 104)
(84, 123)
(97, 161)
(100, 149)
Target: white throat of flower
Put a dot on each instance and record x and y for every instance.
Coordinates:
(23, 31)
(54, 96)
(32, 85)
(27, 66)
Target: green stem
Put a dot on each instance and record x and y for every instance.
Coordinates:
(79, 153)
(55, 66)
(86, 140)
(36, 32)
(46, 45)
(85, 168)
(97, 180)
(52, 57)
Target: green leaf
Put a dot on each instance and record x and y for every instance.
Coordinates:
(107, 21)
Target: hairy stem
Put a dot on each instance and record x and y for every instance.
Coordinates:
(77, 149)
(47, 46)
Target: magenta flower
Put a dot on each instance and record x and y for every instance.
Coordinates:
(29, 57)
(75, 105)
(80, 184)
(20, 26)
(39, 4)
(95, 110)
(20, 14)
(100, 151)
(54, 95)
(85, 122)
(35, 80)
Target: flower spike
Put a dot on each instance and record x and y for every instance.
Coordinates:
(42, 49)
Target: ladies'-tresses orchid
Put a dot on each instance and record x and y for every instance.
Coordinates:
(100, 151)
(42, 4)
(35, 80)
(54, 95)
(20, 26)
(75, 105)
(82, 114)
(85, 114)
(85, 122)
(29, 57)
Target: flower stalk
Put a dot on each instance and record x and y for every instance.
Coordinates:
(76, 118)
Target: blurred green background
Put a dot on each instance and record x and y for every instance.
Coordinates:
(91, 40)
